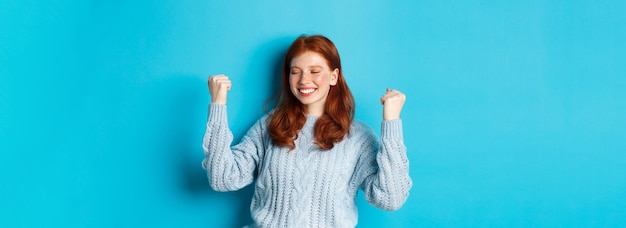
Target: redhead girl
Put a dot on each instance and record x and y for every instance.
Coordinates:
(308, 157)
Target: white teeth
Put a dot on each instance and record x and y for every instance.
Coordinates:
(306, 91)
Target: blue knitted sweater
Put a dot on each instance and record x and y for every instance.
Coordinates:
(308, 187)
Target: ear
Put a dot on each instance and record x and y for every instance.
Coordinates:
(334, 76)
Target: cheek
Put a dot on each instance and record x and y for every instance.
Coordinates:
(293, 84)
(322, 80)
(292, 80)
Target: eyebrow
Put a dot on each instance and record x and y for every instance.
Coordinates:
(313, 66)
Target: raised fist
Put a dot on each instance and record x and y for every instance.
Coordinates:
(218, 88)
(392, 102)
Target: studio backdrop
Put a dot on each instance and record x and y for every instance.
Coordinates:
(515, 113)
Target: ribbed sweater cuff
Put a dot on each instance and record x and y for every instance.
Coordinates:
(217, 113)
(392, 129)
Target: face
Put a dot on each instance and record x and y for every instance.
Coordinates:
(310, 80)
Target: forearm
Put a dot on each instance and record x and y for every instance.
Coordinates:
(220, 162)
(391, 184)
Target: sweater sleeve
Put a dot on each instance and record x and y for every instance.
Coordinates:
(386, 182)
(229, 168)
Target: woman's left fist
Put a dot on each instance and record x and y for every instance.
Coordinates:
(392, 102)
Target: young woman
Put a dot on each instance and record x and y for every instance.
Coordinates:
(309, 156)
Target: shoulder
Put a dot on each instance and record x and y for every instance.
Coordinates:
(260, 126)
(360, 129)
(361, 139)
(263, 122)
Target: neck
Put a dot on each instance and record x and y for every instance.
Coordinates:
(313, 111)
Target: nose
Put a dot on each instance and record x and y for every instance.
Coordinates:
(304, 78)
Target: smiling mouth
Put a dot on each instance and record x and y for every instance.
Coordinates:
(307, 91)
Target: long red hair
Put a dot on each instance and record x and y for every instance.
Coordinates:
(288, 117)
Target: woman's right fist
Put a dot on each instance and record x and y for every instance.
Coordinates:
(218, 88)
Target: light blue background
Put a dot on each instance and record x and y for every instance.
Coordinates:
(516, 111)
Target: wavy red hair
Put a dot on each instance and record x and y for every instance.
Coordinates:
(288, 117)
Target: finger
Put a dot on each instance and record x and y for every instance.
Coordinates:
(384, 98)
(388, 95)
(217, 77)
(394, 93)
(393, 97)
(220, 80)
(226, 84)
(391, 91)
